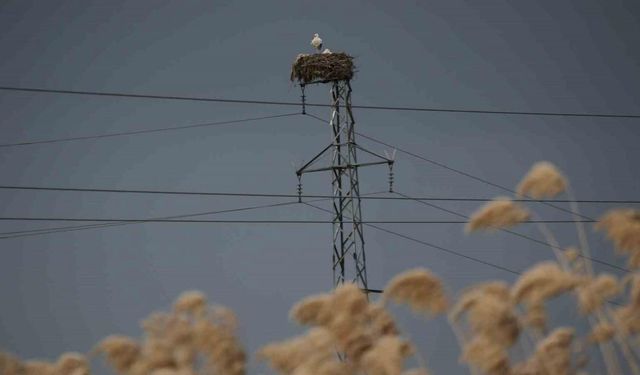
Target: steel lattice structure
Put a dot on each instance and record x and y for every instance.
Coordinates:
(348, 236)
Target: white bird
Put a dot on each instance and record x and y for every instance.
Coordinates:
(316, 42)
(326, 51)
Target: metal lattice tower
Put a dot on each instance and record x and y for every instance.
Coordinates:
(348, 236)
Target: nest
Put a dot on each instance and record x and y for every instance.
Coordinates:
(322, 67)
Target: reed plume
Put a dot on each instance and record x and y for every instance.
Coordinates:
(416, 371)
(486, 355)
(305, 351)
(474, 295)
(551, 357)
(121, 352)
(542, 282)
(313, 310)
(490, 313)
(543, 180)
(623, 228)
(190, 302)
(381, 322)
(602, 332)
(72, 364)
(500, 213)
(10, 364)
(387, 356)
(421, 290)
(38, 368)
(593, 293)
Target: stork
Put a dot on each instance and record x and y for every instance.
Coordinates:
(316, 42)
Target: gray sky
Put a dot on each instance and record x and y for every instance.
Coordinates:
(65, 291)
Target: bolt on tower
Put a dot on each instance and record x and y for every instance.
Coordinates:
(341, 161)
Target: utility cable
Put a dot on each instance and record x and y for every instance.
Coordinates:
(44, 231)
(37, 232)
(254, 221)
(458, 171)
(145, 131)
(431, 245)
(275, 195)
(535, 240)
(286, 103)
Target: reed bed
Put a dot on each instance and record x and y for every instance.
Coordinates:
(348, 334)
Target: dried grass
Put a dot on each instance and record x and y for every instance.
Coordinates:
(322, 68)
(308, 350)
(72, 364)
(382, 323)
(312, 310)
(552, 355)
(623, 228)
(500, 213)
(593, 293)
(542, 282)
(195, 338)
(602, 332)
(191, 302)
(419, 289)
(484, 354)
(543, 180)
(120, 351)
(387, 356)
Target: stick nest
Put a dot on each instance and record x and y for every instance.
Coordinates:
(322, 67)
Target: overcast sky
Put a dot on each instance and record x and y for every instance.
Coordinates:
(65, 291)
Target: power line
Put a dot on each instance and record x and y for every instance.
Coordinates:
(460, 172)
(44, 231)
(431, 245)
(483, 181)
(288, 103)
(276, 195)
(269, 221)
(532, 239)
(146, 131)
(37, 232)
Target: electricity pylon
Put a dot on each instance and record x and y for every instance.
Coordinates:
(348, 236)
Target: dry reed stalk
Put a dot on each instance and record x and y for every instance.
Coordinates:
(602, 332)
(484, 354)
(420, 289)
(72, 364)
(553, 353)
(593, 293)
(490, 313)
(381, 322)
(313, 310)
(309, 350)
(38, 368)
(571, 254)
(500, 213)
(121, 352)
(582, 234)
(623, 228)
(10, 364)
(386, 356)
(190, 302)
(543, 180)
(475, 294)
(542, 282)
(416, 371)
(217, 341)
(554, 245)
(535, 316)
